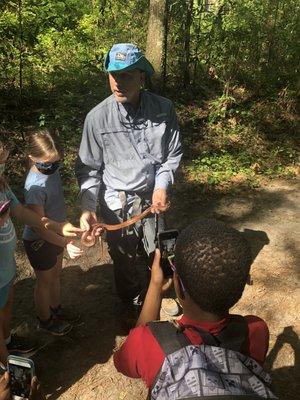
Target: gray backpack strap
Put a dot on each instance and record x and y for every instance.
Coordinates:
(169, 337)
(235, 335)
(206, 336)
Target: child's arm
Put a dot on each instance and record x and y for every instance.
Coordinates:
(31, 215)
(158, 285)
(62, 228)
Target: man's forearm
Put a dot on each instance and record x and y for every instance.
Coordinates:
(163, 180)
(164, 177)
(89, 199)
(89, 180)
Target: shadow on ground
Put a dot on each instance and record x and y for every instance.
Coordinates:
(286, 380)
(61, 362)
(241, 207)
(267, 219)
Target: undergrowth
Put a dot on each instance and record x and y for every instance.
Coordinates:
(229, 140)
(235, 139)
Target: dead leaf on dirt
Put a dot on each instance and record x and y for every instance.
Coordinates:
(239, 178)
(255, 167)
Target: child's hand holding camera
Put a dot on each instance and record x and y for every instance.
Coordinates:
(157, 275)
(4, 387)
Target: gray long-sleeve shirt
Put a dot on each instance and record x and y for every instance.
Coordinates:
(127, 150)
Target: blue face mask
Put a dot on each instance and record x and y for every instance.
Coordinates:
(47, 168)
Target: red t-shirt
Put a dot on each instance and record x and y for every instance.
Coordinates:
(141, 356)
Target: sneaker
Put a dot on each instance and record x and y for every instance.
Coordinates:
(20, 344)
(56, 327)
(67, 314)
(170, 307)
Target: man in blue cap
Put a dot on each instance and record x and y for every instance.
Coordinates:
(129, 152)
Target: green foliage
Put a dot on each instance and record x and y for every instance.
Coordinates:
(240, 144)
(62, 37)
(248, 42)
(232, 69)
(220, 108)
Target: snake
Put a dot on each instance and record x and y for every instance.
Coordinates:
(88, 238)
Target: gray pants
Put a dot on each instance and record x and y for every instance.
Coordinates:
(132, 251)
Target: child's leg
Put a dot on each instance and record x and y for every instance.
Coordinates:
(42, 292)
(7, 313)
(63, 313)
(55, 288)
(3, 349)
(44, 258)
(5, 317)
(45, 287)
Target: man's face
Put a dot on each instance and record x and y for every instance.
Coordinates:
(126, 85)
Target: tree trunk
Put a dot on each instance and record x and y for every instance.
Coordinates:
(21, 51)
(156, 42)
(187, 40)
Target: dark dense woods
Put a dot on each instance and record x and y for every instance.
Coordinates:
(230, 66)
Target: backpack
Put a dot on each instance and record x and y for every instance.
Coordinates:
(214, 370)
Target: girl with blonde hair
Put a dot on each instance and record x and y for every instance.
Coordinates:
(11, 206)
(44, 195)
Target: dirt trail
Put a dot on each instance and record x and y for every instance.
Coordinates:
(80, 366)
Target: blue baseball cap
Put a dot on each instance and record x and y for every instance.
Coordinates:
(125, 57)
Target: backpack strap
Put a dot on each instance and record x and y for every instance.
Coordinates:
(206, 336)
(168, 335)
(234, 336)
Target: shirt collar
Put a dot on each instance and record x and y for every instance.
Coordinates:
(129, 112)
(215, 326)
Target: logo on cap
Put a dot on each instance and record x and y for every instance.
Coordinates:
(120, 56)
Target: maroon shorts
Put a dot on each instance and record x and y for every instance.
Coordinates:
(42, 255)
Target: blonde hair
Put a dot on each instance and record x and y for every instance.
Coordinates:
(3, 156)
(41, 144)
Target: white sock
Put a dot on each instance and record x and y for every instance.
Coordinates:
(7, 340)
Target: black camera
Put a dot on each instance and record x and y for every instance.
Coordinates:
(166, 245)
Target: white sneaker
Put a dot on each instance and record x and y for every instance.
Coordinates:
(170, 307)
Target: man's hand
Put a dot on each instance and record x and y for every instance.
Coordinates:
(73, 251)
(36, 392)
(159, 200)
(157, 275)
(4, 387)
(87, 219)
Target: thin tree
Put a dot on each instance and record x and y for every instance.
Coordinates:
(187, 42)
(21, 61)
(156, 42)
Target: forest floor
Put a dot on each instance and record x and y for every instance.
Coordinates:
(79, 366)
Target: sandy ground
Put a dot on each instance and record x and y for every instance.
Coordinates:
(80, 366)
